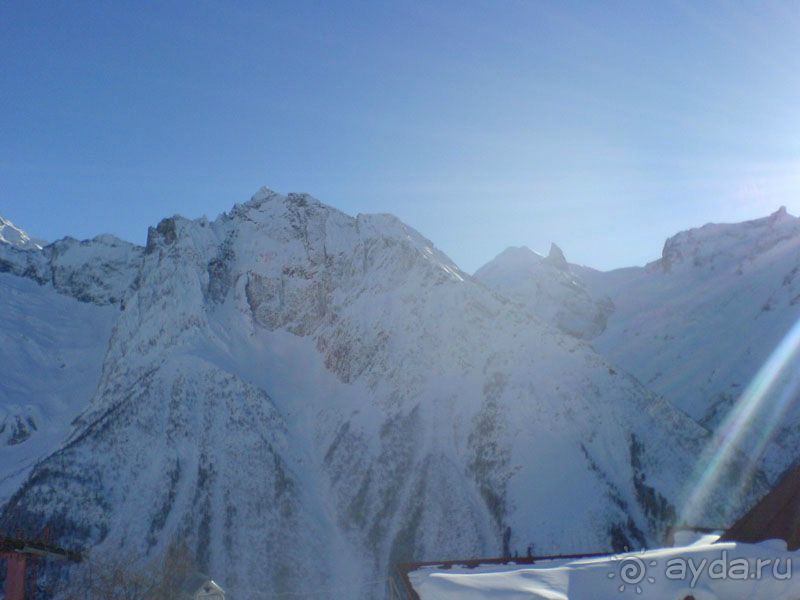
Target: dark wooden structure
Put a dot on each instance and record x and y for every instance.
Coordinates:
(775, 516)
(17, 552)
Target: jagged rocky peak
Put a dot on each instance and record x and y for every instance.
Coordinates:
(270, 200)
(556, 258)
(730, 246)
(14, 236)
(520, 262)
(263, 193)
(315, 234)
(522, 257)
(164, 233)
(781, 213)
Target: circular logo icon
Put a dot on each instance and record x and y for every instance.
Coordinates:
(632, 571)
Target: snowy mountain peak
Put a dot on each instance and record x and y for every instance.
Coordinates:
(782, 215)
(731, 246)
(268, 205)
(556, 258)
(266, 197)
(721, 299)
(549, 288)
(13, 235)
(519, 256)
(523, 257)
(319, 232)
(263, 193)
(98, 271)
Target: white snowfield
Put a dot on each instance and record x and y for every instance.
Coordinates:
(703, 571)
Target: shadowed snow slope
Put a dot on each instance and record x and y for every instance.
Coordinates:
(308, 397)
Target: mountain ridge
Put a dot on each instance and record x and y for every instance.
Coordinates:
(287, 377)
(698, 323)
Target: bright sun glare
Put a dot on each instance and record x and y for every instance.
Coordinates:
(740, 441)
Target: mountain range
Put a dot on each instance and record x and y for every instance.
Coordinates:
(306, 397)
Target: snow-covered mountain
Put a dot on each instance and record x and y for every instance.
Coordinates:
(549, 287)
(697, 324)
(54, 330)
(99, 270)
(14, 236)
(308, 397)
(51, 352)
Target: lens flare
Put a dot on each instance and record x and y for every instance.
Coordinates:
(741, 439)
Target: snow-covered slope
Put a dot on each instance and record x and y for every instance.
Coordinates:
(51, 352)
(54, 332)
(14, 236)
(697, 324)
(550, 287)
(308, 397)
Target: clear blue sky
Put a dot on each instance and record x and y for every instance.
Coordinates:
(603, 126)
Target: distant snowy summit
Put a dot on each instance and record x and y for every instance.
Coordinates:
(13, 235)
(696, 325)
(549, 287)
(730, 246)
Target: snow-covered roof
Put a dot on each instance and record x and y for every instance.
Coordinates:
(705, 570)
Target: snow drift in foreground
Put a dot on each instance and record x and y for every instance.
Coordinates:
(703, 571)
